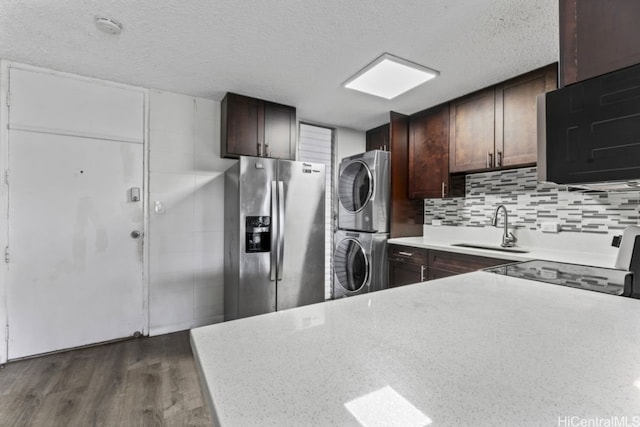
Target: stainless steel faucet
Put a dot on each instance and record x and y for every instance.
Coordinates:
(508, 239)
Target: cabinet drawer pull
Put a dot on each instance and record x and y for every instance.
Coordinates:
(444, 189)
(422, 269)
(405, 253)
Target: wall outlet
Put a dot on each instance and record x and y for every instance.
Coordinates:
(550, 227)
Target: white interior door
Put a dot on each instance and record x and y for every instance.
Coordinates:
(75, 273)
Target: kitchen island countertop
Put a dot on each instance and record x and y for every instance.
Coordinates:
(475, 349)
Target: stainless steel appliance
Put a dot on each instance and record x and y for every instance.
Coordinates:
(588, 133)
(624, 280)
(274, 236)
(607, 280)
(359, 263)
(363, 192)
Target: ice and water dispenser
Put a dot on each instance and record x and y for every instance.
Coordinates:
(258, 234)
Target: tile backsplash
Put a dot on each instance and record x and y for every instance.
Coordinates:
(530, 204)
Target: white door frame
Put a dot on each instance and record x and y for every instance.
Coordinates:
(4, 194)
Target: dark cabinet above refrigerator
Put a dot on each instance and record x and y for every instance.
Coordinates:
(254, 127)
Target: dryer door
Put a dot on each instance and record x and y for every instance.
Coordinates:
(351, 265)
(355, 186)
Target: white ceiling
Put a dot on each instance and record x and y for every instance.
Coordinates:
(296, 52)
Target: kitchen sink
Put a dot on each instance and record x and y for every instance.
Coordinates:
(490, 247)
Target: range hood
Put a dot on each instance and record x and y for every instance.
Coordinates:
(589, 133)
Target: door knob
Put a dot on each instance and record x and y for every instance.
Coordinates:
(135, 234)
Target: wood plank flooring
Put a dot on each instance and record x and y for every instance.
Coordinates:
(139, 382)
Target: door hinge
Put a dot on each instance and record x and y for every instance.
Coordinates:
(6, 254)
(8, 99)
(6, 176)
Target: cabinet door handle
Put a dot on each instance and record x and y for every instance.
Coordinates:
(405, 253)
(489, 159)
(444, 189)
(258, 146)
(422, 269)
(266, 149)
(499, 159)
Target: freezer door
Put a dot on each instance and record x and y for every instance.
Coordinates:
(302, 245)
(256, 289)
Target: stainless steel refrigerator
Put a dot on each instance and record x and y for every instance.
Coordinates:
(274, 236)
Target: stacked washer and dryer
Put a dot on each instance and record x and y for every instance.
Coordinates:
(360, 255)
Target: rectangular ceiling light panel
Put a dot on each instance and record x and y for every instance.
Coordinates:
(389, 76)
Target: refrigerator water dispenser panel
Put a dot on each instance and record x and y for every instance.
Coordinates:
(258, 234)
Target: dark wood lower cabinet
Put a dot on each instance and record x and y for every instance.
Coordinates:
(412, 265)
(461, 263)
(440, 274)
(403, 273)
(407, 264)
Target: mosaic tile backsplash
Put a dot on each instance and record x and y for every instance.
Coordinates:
(530, 204)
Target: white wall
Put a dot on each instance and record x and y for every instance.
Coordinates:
(186, 174)
(185, 243)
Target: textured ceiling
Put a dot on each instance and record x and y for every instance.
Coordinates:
(295, 52)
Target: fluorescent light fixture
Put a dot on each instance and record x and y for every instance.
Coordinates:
(389, 76)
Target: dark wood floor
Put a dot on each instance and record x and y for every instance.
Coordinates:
(139, 382)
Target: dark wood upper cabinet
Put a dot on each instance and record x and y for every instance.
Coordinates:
(242, 126)
(597, 37)
(406, 215)
(472, 132)
(378, 138)
(279, 131)
(254, 127)
(495, 128)
(516, 117)
(429, 154)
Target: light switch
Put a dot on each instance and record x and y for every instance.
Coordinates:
(158, 207)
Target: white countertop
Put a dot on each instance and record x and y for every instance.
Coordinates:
(475, 349)
(576, 248)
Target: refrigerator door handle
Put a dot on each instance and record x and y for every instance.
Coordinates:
(281, 223)
(274, 229)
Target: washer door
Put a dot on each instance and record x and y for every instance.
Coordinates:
(351, 265)
(355, 186)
